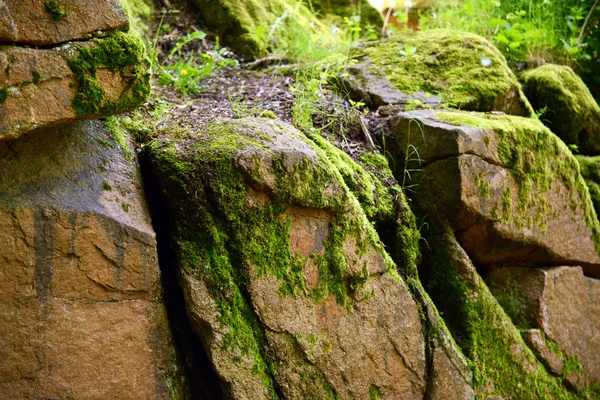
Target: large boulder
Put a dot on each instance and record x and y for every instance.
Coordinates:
(45, 87)
(459, 69)
(80, 295)
(51, 22)
(508, 187)
(561, 301)
(568, 107)
(503, 365)
(285, 280)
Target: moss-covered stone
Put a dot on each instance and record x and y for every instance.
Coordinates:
(502, 363)
(139, 13)
(121, 53)
(590, 170)
(370, 17)
(566, 104)
(463, 69)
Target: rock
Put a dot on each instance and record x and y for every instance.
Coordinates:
(508, 187)
(80, 295)
(570, 109)
(590, 171)
(536, 342)
(503, 366)
(45, 23)
(285, 280)
(562, 302)
(460, 69)
(449, 376)
(46, 87)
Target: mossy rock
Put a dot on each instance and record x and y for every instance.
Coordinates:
(567, 106)
(460, 69)
(590, 170)
(282, 270)
(139, 13)
(339, 9)
(502, 363)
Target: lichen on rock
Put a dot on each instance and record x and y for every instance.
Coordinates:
(566, 105)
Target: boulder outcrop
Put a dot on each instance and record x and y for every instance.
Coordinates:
(508, 187)
(80, 292)
(459, 69)
(568, 107)
(46, 87)
(285, 280)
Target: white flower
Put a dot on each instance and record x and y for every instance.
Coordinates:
(408, 4)
(392, 4)
(486, 62)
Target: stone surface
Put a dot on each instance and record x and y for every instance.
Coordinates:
(503, 365)
(35, 23)
(458, 69)
(509, 188)
(43, 88)
(301, 298)
(80, 295)
(562, 302)
(536, 342)
(571, 112)
(449, 374)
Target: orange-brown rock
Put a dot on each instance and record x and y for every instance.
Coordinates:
(285, 280)
(509, 188)
(43, 23)
(562, 302)
(80, 295)
(46, 87)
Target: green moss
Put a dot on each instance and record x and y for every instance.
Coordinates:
(126, 207)
(483, 185)
(106, 186)
(118, 52)
(56, 11)
(103, 143)
(590, 170)
(336, 10)
(375, 199)
(139, 12)
(570, 109)
(3, 94)
(448, 64)
(374, 393)
(37, 77)
(119, 136)
(501, 362)
(536, 159)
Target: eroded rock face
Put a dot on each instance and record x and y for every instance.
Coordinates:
(562, 302)
(459, 69)
(285, 280)
(43, 23)
(509, 188)
(46, 87)
(571, 111)
(80, 289)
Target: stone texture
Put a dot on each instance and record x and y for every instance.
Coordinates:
(31, 22)
(80, 295)
(512, 194)
(563, 303)
(536, 342)
(301, 268)
(449, 374)
(42, 86)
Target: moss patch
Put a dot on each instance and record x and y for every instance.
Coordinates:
(119, 52)
(57, 12)
(139, 12)
(450, 64)
(536, 159)
(590, 170)
(3, 94)
(568, 107)
(120, 137)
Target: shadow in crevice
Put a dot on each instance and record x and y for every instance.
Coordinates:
(203, 382)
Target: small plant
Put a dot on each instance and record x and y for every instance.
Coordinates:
(106, 186)
(3, 94)
(411, 154)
